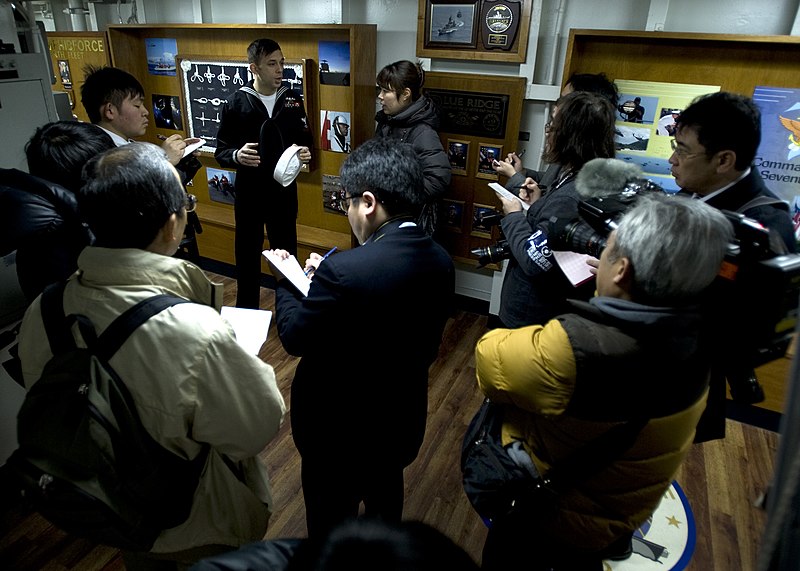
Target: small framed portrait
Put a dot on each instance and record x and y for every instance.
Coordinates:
(64, 73)
(451, 215)
(458, 153)
(451, 24)
(332, 194)
(488, 153)
(221, 185)
(480, 228)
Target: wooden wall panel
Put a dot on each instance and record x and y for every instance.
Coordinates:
(737, 63)
(79, 49)
(316, 227)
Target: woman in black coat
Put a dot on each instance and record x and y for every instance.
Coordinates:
(410, 117)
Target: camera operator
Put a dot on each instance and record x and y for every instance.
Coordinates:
(716, 139)
(633, 353)
(534, 290)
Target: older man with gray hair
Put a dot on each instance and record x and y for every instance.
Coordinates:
(631, 361)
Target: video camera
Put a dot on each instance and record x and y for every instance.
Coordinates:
(755, 298)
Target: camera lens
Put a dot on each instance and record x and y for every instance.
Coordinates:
(582, 238)
(492, 253)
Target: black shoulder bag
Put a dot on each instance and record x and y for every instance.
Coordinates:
(496, 485)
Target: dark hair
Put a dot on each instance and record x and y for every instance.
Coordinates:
(260, 48)
(725, 121)
(581, 130)
(401, 74)
(596, 83)
(365, 544)
(130, 193)
(57, 151)
(388, 169)
(103, 85)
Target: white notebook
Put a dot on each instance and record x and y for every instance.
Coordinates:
(291, 270)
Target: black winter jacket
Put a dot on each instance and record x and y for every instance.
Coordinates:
(39, 219)
(417, 125)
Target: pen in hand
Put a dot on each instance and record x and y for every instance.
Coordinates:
(328, 253)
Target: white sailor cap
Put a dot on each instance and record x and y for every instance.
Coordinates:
(288, 166)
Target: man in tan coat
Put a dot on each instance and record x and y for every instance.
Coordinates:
(190, 380)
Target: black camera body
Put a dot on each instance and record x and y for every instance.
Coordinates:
(755, 297)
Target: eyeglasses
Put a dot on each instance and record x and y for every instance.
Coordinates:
(344, 202)
(680, 152)
(190, 202)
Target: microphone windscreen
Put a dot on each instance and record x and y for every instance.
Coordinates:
(605, 177)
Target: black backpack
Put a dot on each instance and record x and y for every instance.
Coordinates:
(84, 461)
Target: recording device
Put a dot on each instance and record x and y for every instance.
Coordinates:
(496, 252)
(609, 187)
(756, 294)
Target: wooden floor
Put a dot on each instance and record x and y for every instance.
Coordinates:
(722, 480)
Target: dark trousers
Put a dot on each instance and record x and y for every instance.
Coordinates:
(333, 491)
(255, 209)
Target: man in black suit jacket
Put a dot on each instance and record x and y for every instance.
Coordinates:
(716, 140)
(367, 332)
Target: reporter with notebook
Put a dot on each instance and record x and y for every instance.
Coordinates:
(367, 332)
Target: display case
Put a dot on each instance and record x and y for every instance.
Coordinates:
(338, 66)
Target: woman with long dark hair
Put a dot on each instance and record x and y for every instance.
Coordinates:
(580, 129)
(410, 117)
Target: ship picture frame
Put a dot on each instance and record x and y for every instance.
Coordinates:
(451, 24)
(486, 30)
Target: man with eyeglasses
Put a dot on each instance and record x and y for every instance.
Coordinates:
(191, 382)
(716, 139)
(367, 332)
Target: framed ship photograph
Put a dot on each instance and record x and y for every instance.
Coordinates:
(451, 24)
(485, 30)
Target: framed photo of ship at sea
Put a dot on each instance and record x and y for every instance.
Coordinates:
(483, 30)
(451, 24)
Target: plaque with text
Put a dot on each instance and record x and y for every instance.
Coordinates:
(469, 113)
(499, 23)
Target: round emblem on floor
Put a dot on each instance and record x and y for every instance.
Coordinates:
(666, 541)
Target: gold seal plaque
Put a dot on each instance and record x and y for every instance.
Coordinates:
(499, 23)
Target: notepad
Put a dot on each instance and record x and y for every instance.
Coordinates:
(500, 190)
(574, 266)
(193, 147)
(291, 270)
(250, 325)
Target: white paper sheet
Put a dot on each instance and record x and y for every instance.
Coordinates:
(501, 190)
(250, 325)
(291, 269)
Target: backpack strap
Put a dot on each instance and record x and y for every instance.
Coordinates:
(120, 329)
(58, 326)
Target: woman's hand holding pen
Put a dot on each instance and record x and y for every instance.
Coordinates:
(510, 165)
(530, 191)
